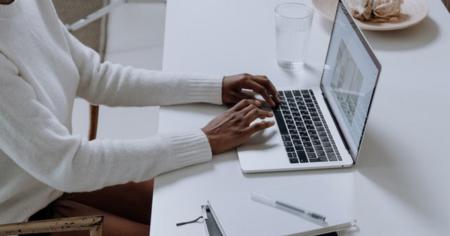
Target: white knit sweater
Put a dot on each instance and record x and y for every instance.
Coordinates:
(42, 69)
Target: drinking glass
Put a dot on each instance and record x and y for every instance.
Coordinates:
(292, 25)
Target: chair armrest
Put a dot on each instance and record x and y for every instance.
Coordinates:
(88, 223)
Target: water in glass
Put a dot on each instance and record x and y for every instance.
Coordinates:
(293, 24)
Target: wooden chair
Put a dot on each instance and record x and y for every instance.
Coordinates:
(93, 224)
(94, 36)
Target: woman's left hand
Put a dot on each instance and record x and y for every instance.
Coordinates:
(234, 86)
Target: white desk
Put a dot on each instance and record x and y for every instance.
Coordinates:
(401, 184)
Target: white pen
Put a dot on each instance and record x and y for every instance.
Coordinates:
(315, 217)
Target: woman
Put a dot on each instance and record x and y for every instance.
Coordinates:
(45, 171)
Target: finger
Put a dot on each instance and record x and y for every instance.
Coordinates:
(252, 107)
(251, 84)
(247, 109)
(268, 85)
(258, 127)
(260, 102)
(236, 97)
(257, 113)
(244, 103)
(250, 95)
(246, 94)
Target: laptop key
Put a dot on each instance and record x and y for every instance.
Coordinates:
(292, 157)
(315, 142)
(280, 121)
(311, 155)
(302, 156)
(318, 147)
(307, 144)
(321, 153)
(295, 114)
(332, 157)
(288, 143)
(303, 134)
(296, 142)
(299, 148)
(310, 127)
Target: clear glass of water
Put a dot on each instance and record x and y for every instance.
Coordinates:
(293, 25)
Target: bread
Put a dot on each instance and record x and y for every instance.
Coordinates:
(386, 8)
(375, 10)
(360, 9)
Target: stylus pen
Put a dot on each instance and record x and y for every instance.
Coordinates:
(288, 207)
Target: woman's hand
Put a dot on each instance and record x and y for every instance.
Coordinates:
(232, 89)
(233, 127)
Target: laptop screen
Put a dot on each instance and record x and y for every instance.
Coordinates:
(349, 79)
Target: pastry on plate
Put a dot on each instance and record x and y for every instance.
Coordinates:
(375, 10)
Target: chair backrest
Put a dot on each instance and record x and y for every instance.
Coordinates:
(93, 35)
(447, 4)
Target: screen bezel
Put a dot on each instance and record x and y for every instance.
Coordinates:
(369, 50)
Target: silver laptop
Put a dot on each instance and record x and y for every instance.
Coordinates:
(321, 127)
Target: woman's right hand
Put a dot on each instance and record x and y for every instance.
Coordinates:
(234, 127)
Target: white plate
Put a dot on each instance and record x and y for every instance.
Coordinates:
(413, 10)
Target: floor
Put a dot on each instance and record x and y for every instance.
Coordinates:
(135, 37)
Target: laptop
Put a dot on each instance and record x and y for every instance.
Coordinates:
(321, 127)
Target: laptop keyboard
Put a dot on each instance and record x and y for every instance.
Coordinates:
(303, 129)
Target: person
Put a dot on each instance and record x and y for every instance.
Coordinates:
(45, 171)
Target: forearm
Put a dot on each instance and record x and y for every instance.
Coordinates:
(32, 137)
(116, 85)
(101, 163)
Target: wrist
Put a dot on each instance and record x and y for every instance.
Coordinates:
(223, 89)
(208, 137)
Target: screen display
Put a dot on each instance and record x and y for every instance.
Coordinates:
(349, 78)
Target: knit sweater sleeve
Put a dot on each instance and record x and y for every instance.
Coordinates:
(35, 139)
(116, 85)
